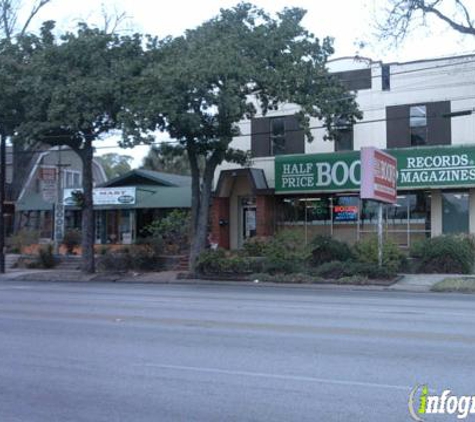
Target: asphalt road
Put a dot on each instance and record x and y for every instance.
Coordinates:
(105, 352)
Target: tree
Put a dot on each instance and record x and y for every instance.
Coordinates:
(77, 86)
(115, 164)
(200, 85)
(402, 15)
(169, 159)
(13, 56)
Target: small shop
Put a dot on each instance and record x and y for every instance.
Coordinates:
(319, 194)
(123, 206)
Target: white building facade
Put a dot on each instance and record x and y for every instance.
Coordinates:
(422, 112)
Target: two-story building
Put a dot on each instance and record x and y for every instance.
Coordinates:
(421, 112)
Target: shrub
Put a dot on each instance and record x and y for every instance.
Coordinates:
(448, 254)
(23, 238)
(255, 246)
(326, 249)
(172, 231)
(333, 270)
(126, 259)
(286, 253)
(71, 239)
(371, 271)
(366, 251)
(337, 270)
(217, 261)
(211, 261)
(46, 258)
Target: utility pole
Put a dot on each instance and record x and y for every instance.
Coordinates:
(59, 206)
(3, 172)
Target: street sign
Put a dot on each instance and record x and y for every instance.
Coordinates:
(378, 175)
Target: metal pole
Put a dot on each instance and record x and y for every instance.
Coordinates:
(3, 173)
(380, 234)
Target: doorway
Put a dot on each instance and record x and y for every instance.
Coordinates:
(248, 219)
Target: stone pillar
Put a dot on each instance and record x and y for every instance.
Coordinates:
(265, 216)
(220, 222)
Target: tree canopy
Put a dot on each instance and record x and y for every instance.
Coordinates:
(169, 159)
(114, 164)
(76, 86)
(200, 85)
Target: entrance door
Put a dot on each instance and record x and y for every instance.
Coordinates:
(248, 219)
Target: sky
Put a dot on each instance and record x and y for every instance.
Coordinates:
(349, 22)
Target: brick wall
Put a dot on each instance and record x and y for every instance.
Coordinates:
(265, 215)
(220, 212)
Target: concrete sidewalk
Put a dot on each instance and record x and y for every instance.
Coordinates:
(407, 282)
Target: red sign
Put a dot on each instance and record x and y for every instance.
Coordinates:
(378, 175)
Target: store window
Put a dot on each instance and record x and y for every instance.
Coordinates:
(72, 179)
(418, 125)
(455, 212)
(272, 136)
(349, 219)
(277, 136)
(344, 136)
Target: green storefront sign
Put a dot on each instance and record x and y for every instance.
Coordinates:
(418, 168)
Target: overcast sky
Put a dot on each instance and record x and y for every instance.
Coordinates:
(348, 21)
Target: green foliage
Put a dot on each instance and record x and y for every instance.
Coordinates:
(448, 254)
(23, 238)
(170, 159)
(71, 240)
(326, 249)
(459, 285)
(366, 251)
(286, 253)
(135, 258)
(114, 164)
(172, 231)
(219, 262)
(46, 259)
(332, 270)
(255, 246)
(417, 248)
(337, 270)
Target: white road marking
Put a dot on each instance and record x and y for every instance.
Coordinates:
(279, 377)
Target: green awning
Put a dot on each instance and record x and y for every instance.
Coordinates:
(147, 196)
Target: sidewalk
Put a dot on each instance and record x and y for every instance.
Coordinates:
(407, 283)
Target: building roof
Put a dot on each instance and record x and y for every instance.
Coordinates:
(148, 177)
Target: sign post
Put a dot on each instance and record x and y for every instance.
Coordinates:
(378, 183)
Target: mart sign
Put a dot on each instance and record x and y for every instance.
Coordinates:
(378, 175)
(417, 168)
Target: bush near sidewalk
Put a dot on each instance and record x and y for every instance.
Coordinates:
(446, 254)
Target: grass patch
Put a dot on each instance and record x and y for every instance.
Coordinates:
(459, 285)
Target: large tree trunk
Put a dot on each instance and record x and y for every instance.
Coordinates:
(88, 263)
(198, 243)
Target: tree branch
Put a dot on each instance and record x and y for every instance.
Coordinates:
(34, 11)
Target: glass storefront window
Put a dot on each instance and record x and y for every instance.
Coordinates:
(349, 219)
(455, 215)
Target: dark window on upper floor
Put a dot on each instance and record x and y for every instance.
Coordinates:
(418, 124)
(385, 77)
(355, 80)
(344, 137)
(272, 136)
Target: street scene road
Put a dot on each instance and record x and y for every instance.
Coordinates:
(123, 352)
